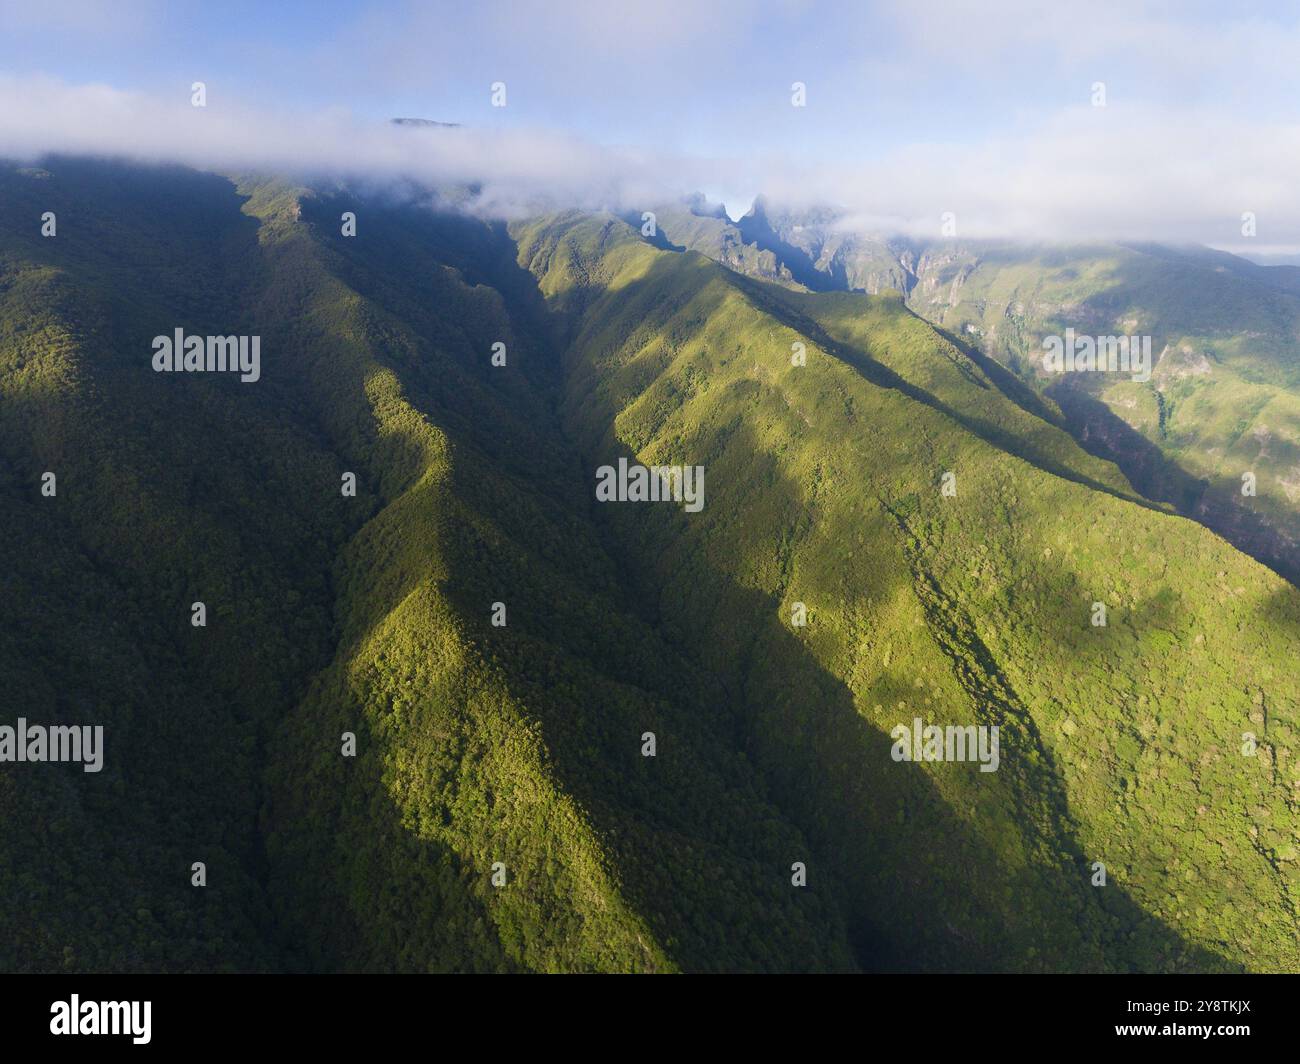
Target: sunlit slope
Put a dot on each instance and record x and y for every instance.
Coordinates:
(520, 746)
(328, 613)
(519, 749)
(894, 348)
(1121, 744)
(1223, 403)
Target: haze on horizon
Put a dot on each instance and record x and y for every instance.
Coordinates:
(1132, 121)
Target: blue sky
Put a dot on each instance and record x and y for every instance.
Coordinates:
(696, 76)
(890, 85)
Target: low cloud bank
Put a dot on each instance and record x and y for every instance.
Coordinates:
(1086, 173)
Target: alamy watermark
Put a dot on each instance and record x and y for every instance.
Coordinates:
(1098, 354)
(58, 742)
(102, 1017)
(632, 482)
(929, 742)
(209, 354)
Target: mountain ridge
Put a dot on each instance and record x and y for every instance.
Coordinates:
(521, 744)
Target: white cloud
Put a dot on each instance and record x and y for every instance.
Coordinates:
(519, 169)
(1114, 172)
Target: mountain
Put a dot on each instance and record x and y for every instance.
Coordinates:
(1223, 400)
(927, 513)
(425, 123)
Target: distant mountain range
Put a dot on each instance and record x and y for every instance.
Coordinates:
(425, 122)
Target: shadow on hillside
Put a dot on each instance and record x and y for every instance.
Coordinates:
(1106, 435)
(756, 229)
(921, 884)
(658, 240)
(1006, 382)
(1283, 610)
(777, 305)
(799, 724)
(352, 887)
(171, 490)
(401, 246)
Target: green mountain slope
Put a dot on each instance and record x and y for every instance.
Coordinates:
(1224, 400)
(519, 744)
(825, 489)
(475, 744)
(167, 494)
(499, 813)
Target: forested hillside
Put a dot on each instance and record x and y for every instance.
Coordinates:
(499, 643)
(1223, 400)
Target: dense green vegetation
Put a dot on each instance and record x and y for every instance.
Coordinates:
(522, 745)
(825, 490)
(1224, 400)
